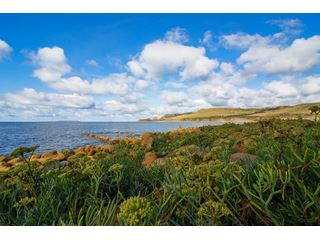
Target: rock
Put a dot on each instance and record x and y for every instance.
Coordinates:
(130, 140)
(105, 148)
(60, 156)
(149, 159)
(15, 161)
(52, 155)
(147, 139)
(242, 156)
(3, 159)
(98, 137)
(91, 152)
(80, 150)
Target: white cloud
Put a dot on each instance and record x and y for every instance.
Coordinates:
(288, 26)
(207, 37)
(92, 62)
(162, 57)
(207, 40)
(30, 97)
(311, 85)
(116, 84)
(142, 83)
(52, 64)
(227, 68)
(175, 84)
(178, 35)
(282, 89)
(5, 50)
(114, 106)
(173, 97)
(243, 40)
(302, 55)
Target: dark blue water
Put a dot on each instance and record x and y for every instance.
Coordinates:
(64, 135)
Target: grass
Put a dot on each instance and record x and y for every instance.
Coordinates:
(254, 114)
(198, 185)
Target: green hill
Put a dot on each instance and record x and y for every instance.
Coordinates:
(241, 114)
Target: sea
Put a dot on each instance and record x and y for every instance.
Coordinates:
(68, 135)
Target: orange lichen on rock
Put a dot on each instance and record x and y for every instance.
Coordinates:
(149, 159)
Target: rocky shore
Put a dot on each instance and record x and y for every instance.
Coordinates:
(63, 158)
(8, 163)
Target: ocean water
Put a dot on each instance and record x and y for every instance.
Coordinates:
(64, 135)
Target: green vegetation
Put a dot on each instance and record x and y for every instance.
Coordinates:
(240, 114)
(263, 173)
(315, 110)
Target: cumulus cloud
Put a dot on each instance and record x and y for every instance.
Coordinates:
(227, 68)
(282, 89)
(115, 84)
(30, 97)
(114, 106)
(311, 85)
(302, 55)
(173, 97)
(243, 40)
(5, 50)
(161, 57)
(52, 64)
(53, 67)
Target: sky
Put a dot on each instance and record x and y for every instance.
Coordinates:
(125, 67)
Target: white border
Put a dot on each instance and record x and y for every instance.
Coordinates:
(154, 233)
(159, 6)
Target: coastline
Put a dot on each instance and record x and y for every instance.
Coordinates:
(214, 167)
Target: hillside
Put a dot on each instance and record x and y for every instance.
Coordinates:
(241, 114)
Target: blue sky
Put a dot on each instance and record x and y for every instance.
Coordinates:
(101, 67)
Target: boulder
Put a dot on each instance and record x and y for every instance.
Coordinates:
(80, 150)
(91, 152)
(147, 139)
(52, 155)
(149, 159)
(3, 159)
(130, 140)
(242, 156)
(98, 137)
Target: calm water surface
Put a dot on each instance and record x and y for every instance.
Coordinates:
(64, 135)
